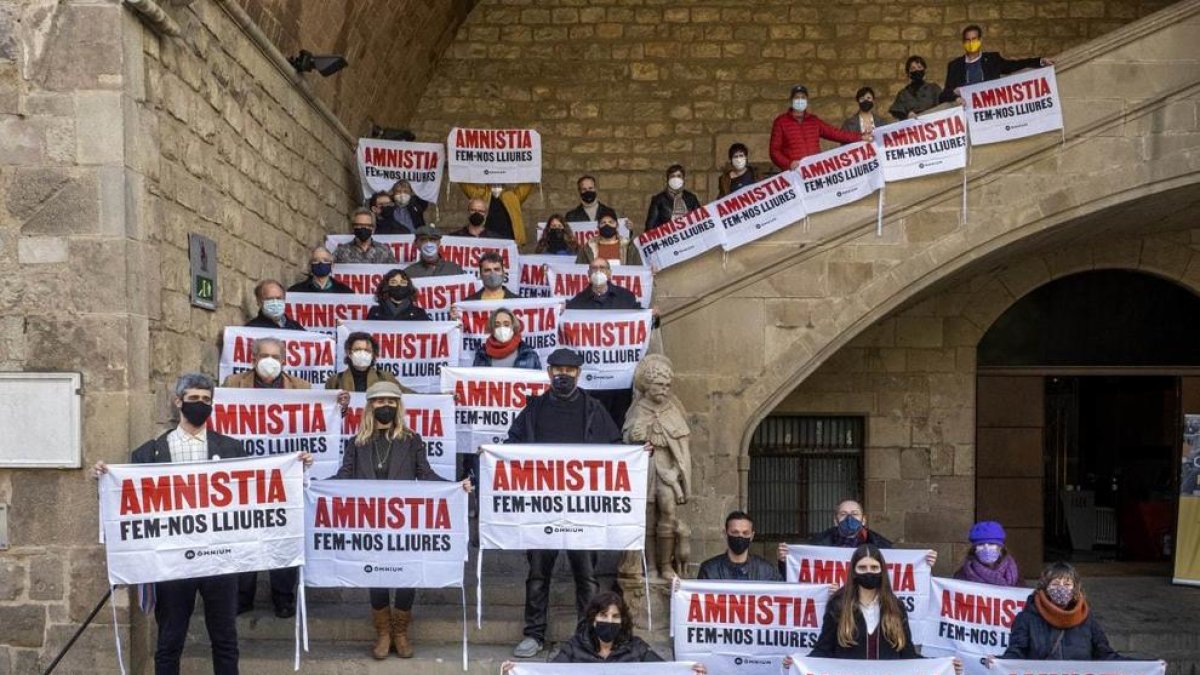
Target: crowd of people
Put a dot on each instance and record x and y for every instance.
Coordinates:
(863, 618)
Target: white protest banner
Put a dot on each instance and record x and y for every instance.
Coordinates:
(362, 278)
(487, 400)
(538, 317)
(586, 230)
(808, 665)
(494, 156)
(1012, 107)
(430, 415)
(840, 176)
(282, 422)
(745, 627)
(679, 239)
(659, 668)
(465, 252)
(385, 534)
(562, 497)
(907, 569)
(612, 342)
(759, 209)
(319, 312)
(381, 163)
(967, 618)
(177, 521)
(308, 356)
(930, 144)
(403, 246)
(1022, 667)
(436, 295)
(568, 279)
(413, 351)
(533, 281)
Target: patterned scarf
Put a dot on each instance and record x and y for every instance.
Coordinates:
(1058, 617)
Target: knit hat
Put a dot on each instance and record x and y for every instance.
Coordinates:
(986, 532)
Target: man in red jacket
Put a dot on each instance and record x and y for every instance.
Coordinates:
(797, 133)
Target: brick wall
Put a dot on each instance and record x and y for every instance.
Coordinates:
(623, 89)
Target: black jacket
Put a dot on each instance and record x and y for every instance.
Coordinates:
(661, 208)
(416, 210)
(386, 311)
(830, 538)
(615, 297)
(1032, 638)
(827, 642)
(406, 461)
(578, 215)
(757, 569)
(994, 66)
(261, 321)
(478, 295)
(158, 451)
(307, 286)
(579, 649)
(599, 426)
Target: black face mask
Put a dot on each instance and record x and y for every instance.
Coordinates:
(562, 384)
(866, 106)
(321, 269)
(555, 236)
(387, 214)
(606, 631)
(363, 233)
(607, 231)
(738, 545)
(869, 580)
(385, 414)
(475, 219)
(588, 196)
(196, 412)
(917, 76)
(400, 293)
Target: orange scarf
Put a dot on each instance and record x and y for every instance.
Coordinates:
(1058, 617)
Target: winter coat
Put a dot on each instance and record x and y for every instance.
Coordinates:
(579, 649)
(854, 123)
(527, 358)
(598, 424)
(793, 139)
(262, 321)
(344, 380)
(830, 537)
(757, 569)
(512, 200)
(827, 642)
(994, 67)
(307, 286)
(662, 208)
(158, 451)
(578, 215)
(591, 250)
(915, 100)
(1034, 638)
(407, 460)
(416, 212)
(386, 311)
(727, 185)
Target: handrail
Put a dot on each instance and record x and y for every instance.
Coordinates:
(83, 626)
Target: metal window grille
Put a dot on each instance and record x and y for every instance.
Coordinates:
(801, 467)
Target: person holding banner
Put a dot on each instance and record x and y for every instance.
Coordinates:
(740, 174)
(563, 414)
(988, 561)
(320, 278)
(504, 347)
(671, 202)
(363, 250)
(386, 449)
(268, 369)
(430, 262)
(918, 95)
(1057, 624)
(850, 531)
(865, 120)
(361, 372)
(395, 299)
(737, 563)
(476, 219)
(976, 65)
(609, 245)
(409, 213)
(557, 238)
(590, 207)
(503, 207)
(797, 133)
(271, 307)
(491, 275)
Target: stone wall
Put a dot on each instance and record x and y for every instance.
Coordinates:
(622, 88)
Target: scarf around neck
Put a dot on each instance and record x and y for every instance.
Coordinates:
(1058, 617)
(1005, 572)
(500, 350)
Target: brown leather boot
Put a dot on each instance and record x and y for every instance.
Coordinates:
(400, 621)
(383, 637)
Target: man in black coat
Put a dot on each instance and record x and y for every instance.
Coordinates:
(590, 207)
(977, 66)
(407, 212)
(564, 414)
(320, 278)
(671, 202)
(737, 563)
(271, 307)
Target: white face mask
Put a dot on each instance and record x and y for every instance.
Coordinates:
(361, 358)
(739, 163)
(268, 368)
(675, 183)
(403, 198)
(799, 104)
(598, 278)
(503, 333)
(497, 190)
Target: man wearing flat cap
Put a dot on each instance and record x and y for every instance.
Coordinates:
(797, 133)
(430, 262)
(564, 414)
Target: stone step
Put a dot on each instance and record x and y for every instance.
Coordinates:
(275, 658)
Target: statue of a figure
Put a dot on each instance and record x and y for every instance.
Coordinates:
(658, 417)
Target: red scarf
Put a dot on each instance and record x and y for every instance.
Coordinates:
(500, 350)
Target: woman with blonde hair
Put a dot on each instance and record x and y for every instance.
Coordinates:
(386, 449)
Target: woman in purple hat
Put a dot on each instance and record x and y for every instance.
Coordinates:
(988, 561)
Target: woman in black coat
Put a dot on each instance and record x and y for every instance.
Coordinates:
(386, 449)
(396, 298)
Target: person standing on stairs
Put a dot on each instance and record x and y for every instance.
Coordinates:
(386, 449)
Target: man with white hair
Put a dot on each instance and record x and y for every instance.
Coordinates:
(320, 275)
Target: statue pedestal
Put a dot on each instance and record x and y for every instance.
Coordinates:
(659, 601)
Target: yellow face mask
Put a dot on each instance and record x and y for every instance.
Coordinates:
(972, 46)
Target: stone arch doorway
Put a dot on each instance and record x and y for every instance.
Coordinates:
(1081, 389)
